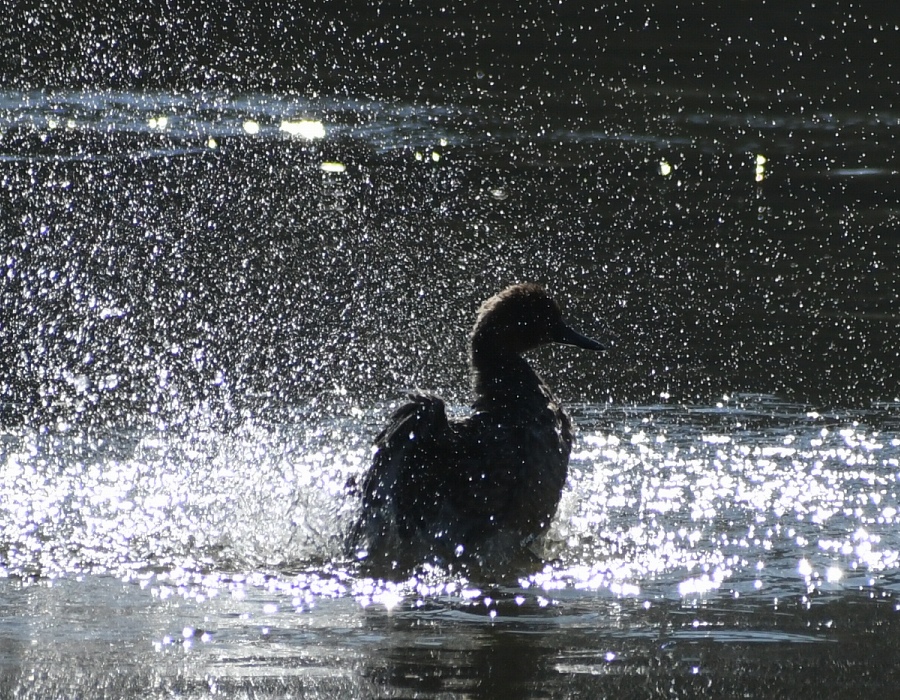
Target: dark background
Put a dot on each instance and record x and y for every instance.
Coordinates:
(397, 49)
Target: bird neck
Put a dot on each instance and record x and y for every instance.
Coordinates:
(504, 380)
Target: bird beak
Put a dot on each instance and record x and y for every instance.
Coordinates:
(569, 336)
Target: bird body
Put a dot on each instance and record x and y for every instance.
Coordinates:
(474, 491)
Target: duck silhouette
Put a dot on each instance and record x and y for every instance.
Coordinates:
(473, 493)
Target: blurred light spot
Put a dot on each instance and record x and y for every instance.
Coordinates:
(330, 166)
(624, 589)
(109, 382)
(251, 127)
(212, 143)
(834, 574)
(390, 599)
(159, 123)
(665, 169)
(703, 584)
(760, 168)
(309, 129)
(435, 156)
(805, 568)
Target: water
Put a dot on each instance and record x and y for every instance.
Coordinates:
(697, 549)
(217, 281)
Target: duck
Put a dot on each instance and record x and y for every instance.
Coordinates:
(474, 493)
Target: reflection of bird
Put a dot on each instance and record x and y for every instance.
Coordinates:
(476, 491)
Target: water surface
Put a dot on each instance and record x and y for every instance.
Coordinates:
(695, 549)
(215, 289)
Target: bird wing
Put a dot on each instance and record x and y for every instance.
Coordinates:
(401, 491)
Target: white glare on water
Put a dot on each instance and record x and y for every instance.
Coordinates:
(119, 503)
(309, 129)
(738, 511)
(652, 508)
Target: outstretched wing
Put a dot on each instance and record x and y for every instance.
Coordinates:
(401, 491)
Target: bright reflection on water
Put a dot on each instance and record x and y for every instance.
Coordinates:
(749, 522)
(751, 498)
(113, 502)
(688, 509)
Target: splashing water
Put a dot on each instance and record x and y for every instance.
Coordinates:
(209, 299)
(752, 498)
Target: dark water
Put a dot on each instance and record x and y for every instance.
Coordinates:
(228, 247)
